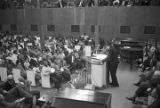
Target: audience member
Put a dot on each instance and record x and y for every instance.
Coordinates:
(148, 85)
(72, 3)
(12, 91)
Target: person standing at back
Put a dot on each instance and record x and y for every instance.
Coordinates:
(112, 64)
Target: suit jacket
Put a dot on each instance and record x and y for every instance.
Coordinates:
(70, 59)
(5, 104)
(113, 55)
(7, 86)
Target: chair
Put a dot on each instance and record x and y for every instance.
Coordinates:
(3, 73)
(16, 74)
(45, 77)
(31, 77)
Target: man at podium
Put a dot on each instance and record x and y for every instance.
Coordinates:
(112, 64)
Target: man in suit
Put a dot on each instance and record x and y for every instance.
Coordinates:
(112, 64)
(5, 104)
(9, 84)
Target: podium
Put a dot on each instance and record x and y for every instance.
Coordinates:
(98, 70)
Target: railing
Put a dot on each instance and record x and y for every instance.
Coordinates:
(4, 4)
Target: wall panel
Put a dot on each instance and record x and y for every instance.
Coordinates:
(6, 27)
(63, 16)
(108, 19)
(119, 16)
(106, 32)
(152, 16)
(85, 29)
(91, 16)
(33, 16)
(79, 16)
(9, 17)
(135, 16)
(44, 16)
(2, 16)
(63, 29)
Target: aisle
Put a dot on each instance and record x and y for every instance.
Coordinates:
(126, 78)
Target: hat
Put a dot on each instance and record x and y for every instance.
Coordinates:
(10, 77)
(21, 79)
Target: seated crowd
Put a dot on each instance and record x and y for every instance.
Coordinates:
(148, 85)
(74, 3)
(58, 58)
(12, 94)
(150, 57)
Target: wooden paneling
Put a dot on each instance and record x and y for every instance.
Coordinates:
(79, 16)
(152, 15)
(63, 16)
(0, 27)
(63, 29)
(6, 27)
(135, 16)
(91, 16)
(33, 16)
(108, 18)
(85, 29)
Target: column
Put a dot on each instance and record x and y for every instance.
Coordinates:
(42, 35)
(38, 3)
(96, 3)
(96, 27)
(97, 32)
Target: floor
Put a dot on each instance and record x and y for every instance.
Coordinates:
(126, 78)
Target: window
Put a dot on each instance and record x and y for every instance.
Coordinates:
(13, 27)
(149, 29)
(34, 27)
(92, 28)
(75, 28)
(50, 27)
(125, 29)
